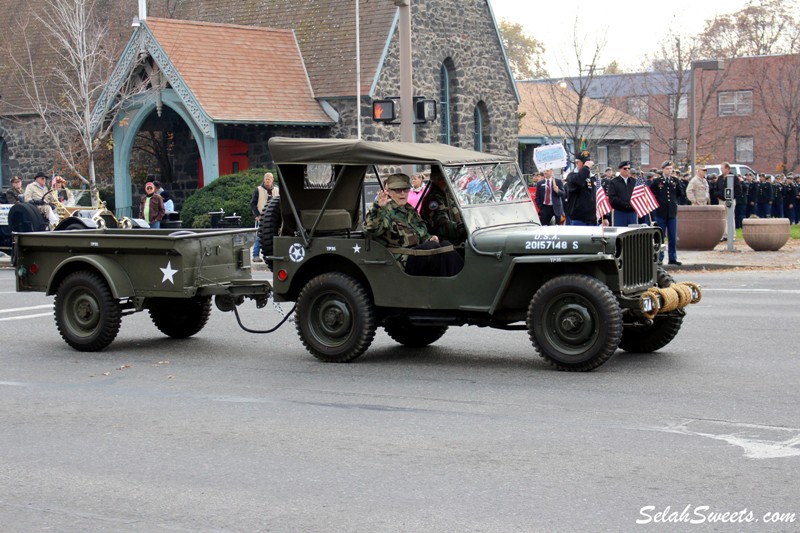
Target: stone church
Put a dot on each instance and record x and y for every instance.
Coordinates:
(223, 77)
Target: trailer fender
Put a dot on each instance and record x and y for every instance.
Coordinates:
(116, 277)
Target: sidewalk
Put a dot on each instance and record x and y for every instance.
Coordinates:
(742, 258)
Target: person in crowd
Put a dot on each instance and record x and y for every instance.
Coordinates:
(697, 189)
(151, 208)
(265, 191)
(668, 193)
(169, 202)
(548, 199)
(789, 194)
(619, 196)
(37, 193)
(752, 195)
(393, 222)
(439, 213)
(15, 193)
(764, 201)
(582, 192)
(417, 190)
(777, 197)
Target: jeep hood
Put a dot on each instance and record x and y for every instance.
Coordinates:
(530, 239)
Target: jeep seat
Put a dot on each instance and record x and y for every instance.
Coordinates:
(333, 220)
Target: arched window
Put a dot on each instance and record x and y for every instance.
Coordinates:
(480, 138)
(446, 81)
(5, 177)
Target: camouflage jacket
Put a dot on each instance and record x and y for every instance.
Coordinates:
(443, 221)
(396, 226)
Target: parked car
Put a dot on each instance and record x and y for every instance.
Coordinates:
(716, 170)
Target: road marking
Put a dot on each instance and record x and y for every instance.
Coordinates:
(25, 316)
(757, 441)
(782, 291)
(15, 310)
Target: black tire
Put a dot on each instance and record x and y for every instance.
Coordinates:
(180, 318)
(648, 339)
(335, 318)
(575, 322)
(414, 336)
(87, 315)
(268, 228)
(24, 218)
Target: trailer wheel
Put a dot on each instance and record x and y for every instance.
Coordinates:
(87, 315)
(180, 318)
(335, 318)
(269, 227)
(414, 336)
(648, 339)
(575, 322)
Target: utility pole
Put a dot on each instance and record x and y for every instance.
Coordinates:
(406, 81)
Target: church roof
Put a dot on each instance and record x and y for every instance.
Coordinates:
(240, 73)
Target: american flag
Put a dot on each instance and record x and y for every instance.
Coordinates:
(642, 198)
(602, 205)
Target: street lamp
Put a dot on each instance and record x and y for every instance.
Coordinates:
(714, 64)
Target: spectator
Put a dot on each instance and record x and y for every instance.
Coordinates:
(261, 197)
(581, 189)
(548, 199)
(151, 207)
(417, 189)
(169, 203)
(59, 191)
(697, 190)
(620, 190)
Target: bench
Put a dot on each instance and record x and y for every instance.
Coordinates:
(333, 220)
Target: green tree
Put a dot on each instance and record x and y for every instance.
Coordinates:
(524, 52)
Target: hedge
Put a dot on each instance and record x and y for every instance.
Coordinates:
(231, 193)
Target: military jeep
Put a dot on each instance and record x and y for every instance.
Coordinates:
(579, 292)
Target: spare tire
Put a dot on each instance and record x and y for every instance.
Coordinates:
(24, 217)
(269, 227)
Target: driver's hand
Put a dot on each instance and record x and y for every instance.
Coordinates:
(435, 238)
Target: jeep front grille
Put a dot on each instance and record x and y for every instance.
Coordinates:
(636, 259)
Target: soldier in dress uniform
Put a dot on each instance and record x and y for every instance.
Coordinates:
(668, 192)
(777, 197)
(789, 194)
(581, 190)
(752, 195)
(395, 223)
(619, 196)
(764, 201)
(797, 199)
(441, 215)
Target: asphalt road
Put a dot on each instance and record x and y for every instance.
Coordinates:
(231, 431)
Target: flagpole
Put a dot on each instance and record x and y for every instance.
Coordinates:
(358, 70)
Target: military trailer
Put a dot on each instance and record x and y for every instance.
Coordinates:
(579, 292)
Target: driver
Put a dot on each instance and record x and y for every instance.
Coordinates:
(442, 221)
(35, 194)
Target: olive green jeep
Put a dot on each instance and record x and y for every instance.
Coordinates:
(579, 292)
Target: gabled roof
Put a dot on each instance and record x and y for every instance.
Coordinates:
(239, 73)
(550, 111)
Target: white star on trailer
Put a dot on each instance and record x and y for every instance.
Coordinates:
(356, 249)
(169, 273)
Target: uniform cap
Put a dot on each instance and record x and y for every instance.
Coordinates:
(625, 164)
(667, 163)
(398, 181)
(584, 156)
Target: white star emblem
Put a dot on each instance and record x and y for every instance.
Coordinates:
(356, 249)
(296, 253)
(169, 273)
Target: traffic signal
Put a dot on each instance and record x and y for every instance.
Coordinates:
(383, 110)
(425, 110)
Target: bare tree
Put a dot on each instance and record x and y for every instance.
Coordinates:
(79, 66)
(765, 27)
(778, 94)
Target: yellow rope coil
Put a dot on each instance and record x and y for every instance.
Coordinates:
(696, 288)
(651, 295)
(670, 298)
(684, 294)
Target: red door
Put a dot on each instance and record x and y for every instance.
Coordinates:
(232, 158)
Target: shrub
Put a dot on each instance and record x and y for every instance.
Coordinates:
(231, 193)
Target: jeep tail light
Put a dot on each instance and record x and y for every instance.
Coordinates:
(282, 275)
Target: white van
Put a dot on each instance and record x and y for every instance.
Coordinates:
(716, 170)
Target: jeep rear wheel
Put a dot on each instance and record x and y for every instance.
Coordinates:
(647, 339)
(335, 318)
(575, 322)
(414, 336)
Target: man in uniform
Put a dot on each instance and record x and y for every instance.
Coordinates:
(752, 195)
(764, 201)
(440, 215)
(619, 196)
(668, 192)
(582, 192)
(789, 194)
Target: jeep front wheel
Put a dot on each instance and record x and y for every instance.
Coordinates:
(335, 318)
(574, 322)
(664, 328)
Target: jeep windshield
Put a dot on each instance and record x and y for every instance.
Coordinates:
(485, 184)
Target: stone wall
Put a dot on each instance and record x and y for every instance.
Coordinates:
(27, 148)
